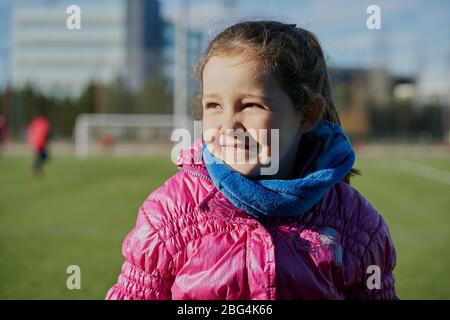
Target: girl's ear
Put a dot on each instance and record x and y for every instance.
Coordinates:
(312, 113)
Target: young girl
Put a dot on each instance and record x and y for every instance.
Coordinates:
(221, 229)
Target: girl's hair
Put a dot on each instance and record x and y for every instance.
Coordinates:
(292, 54)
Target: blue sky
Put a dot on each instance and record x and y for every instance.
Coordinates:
(416, 34)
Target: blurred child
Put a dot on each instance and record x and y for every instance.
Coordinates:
(2, 133)
(38, 136)
(218, 229)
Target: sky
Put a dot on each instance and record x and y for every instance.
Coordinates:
(415, 34)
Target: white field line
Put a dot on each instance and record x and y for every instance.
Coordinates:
(421, 170)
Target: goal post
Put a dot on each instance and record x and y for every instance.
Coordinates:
(101, 133)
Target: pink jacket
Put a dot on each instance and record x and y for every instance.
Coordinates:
(190, 242)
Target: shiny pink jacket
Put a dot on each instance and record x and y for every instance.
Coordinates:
(190, 242)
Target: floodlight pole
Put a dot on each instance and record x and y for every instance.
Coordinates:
(180, 92)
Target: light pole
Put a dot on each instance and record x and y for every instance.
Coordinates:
(180, 92)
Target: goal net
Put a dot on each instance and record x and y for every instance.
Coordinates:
(123, 134)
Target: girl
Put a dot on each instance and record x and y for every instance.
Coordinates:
(220, 229)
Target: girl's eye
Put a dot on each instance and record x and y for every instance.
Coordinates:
(212, 106)
(252, 105)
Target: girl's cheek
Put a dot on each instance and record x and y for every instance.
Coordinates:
(265, 154)
(262, 136)
(211, 135)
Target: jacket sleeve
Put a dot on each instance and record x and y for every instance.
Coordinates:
(148, 270)
(378, 262)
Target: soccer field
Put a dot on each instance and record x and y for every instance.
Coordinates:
(80, 211)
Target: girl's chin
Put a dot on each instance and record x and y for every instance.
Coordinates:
(239, 160)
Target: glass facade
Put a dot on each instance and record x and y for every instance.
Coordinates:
(61, 61)
(126, 39)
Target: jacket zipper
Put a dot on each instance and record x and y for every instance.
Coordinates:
(195, 173)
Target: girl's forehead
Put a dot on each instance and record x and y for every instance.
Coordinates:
(218, 64)
(222, 72)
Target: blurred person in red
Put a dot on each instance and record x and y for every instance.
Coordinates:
(2, 133)
(38, 136)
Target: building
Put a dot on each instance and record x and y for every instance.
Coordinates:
(61, 61)
(379, 85)
(117, 39)
(143, 42)
(195, 45)
(357, 92)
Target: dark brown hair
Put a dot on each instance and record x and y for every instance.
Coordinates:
(291, 53)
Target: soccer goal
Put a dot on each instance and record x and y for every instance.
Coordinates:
(123, 134)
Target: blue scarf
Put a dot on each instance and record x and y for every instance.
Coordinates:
(278, 197)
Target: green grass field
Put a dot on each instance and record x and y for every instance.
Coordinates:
(79, 213)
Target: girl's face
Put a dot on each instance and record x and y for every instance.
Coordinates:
(238, 99)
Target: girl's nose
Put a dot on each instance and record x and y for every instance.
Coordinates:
(231, 121)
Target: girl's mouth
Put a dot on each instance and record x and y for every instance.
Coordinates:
(237, 146)
(234, 143)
